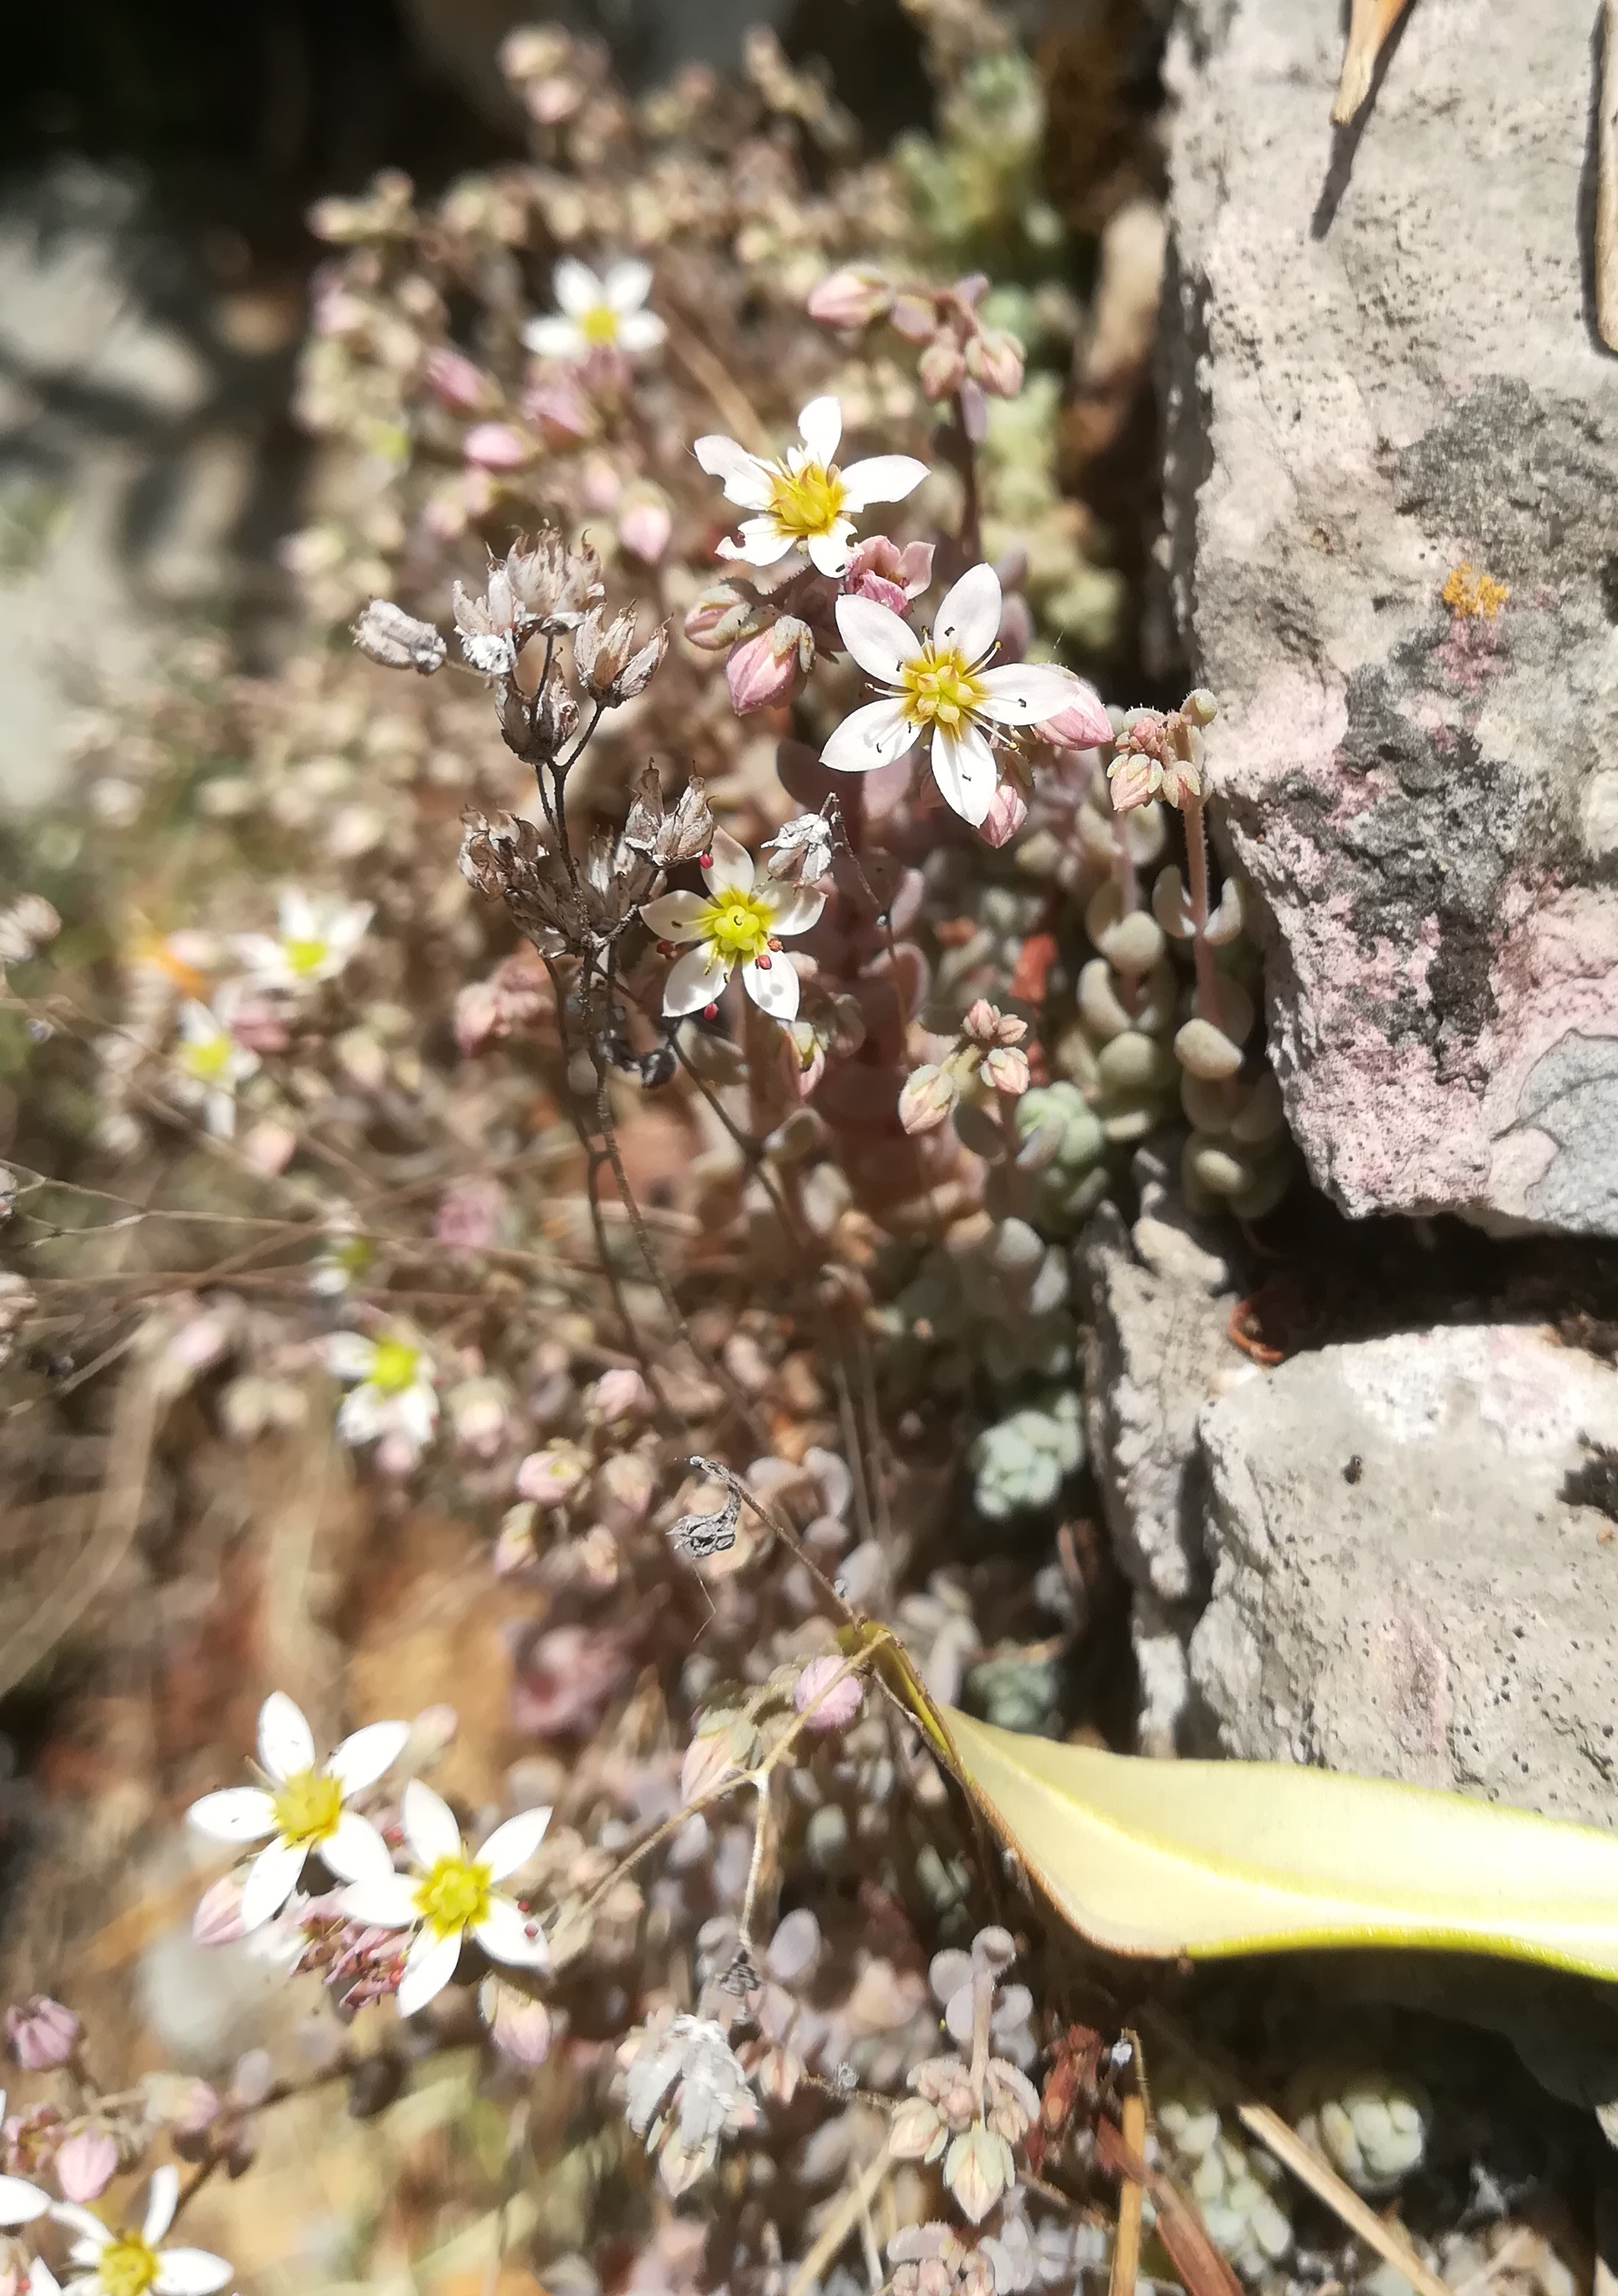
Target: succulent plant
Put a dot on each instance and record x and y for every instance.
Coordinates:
(1020, 1464)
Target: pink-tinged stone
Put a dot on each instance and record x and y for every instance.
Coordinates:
(1424, 802)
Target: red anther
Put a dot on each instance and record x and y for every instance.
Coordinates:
(706, 861)
(711, 1012)
(762, 962)
(665, 948)
(774, 942)
(530, 1929)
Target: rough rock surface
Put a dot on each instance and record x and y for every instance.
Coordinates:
(1399, 1587)
(1157, 1348)
(1380, 365)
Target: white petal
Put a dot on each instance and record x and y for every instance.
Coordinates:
(381, 1902)
(673, 916)
(627, 284)
(554, 338)
(793, 909)
(748, 481)
(879, 640)
(881, 478)
(1024, 693)
(694, 981)
(271, 1879)
(360, 1760)
(640, 330)
(428, 1966)
(504, 1936)
(349, 1355)
(191, 2272)
(296, 917)
(429, 1825)
(162, 2193)
(820, 427)
(286, 1743)
(238, 1814)
(970, 615)
(762, 542)
(40, 2280)
(260, 952)
(362, 1416)
(19, 2202)
(732, 871)
(830, 552)
(512, 1844)
(415, 1414)
(92, 2235)
(873, 736)
(576, 287)
(774, 991)
(356, 1851)
(964, 768)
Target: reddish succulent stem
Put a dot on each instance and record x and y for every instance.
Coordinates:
(1208, 1002)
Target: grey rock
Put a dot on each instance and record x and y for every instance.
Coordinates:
(1380, 365)
(1398, 1587)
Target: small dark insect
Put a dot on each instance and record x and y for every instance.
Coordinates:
(696, 1537)
(1354, 1469)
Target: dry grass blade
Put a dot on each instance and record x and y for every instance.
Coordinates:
(1606, 182)
(112, 1532)
(1369, 26)
(1131, 2194)
(848, 2215)
(1180, 2227)
(1323, 2180)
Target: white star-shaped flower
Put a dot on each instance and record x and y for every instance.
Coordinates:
(391, 1386)
(451, 1893)
(303, 1808)
(805, 501)
(941, 686)
(133, 2263)
(209, 1063)
(315, 940)
(596, 313)
(19, 2202)
(735, 921)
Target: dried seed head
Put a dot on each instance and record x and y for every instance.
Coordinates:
(397, 640)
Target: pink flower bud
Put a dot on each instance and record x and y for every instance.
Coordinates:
(514, 1544)
(1083, 724)
(1007, 811)
(455, 379)
(644, 529)
(620, 1394)
(496, 447)
(985, 1024)
(218, 1919)
(915, 316)
(765, 672)
(1133, 780)
(476, 1015)
(599, 484)
(941, 368)
(996, 359)
(554, 1474)
(716, 617)
(1007, 1070)
(850, 298)
(86, 2165)
(518, 2026)
(927, 1099)
(559, 411)
(709, 1759)
(42, 2033)
(833, 1709)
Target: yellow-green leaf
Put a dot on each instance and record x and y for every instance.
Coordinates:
(1206, 1858)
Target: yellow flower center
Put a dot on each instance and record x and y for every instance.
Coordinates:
(306, 956)
(937, 687)
(599, 324)
(126, 2267)
(453, 1894)
(307, 1808)
(739, 926)
(207, 1058)
(394, 1366)
(807, 502)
